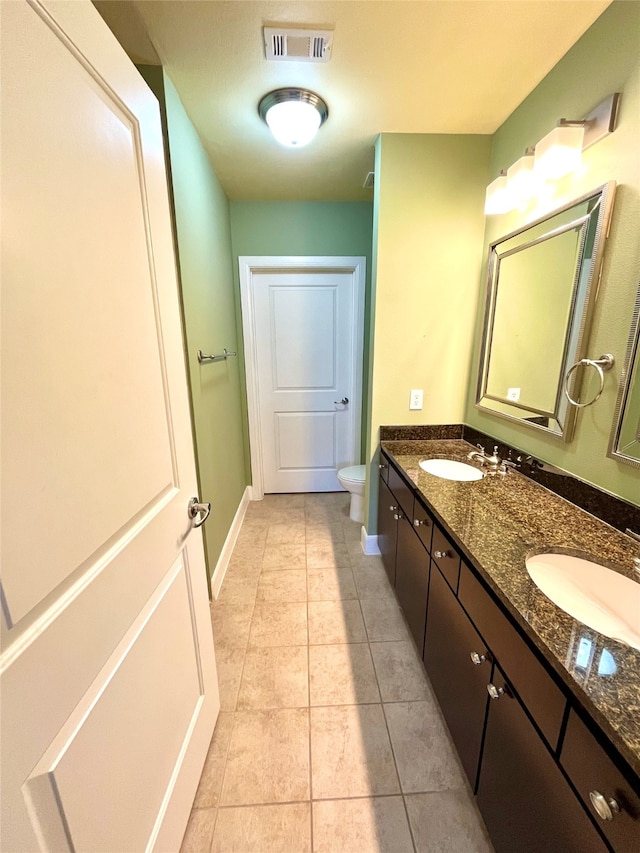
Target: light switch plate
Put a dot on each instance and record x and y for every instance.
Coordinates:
(415, 398)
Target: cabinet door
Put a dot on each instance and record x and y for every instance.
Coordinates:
(459, 684)
(387, 529)
(412, 579)
(525, 800)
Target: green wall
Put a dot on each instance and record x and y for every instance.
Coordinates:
(605, 60)
(304, 228)
(208, 297)
(429, 229)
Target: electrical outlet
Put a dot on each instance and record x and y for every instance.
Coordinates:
(513, 394)
(415, 398)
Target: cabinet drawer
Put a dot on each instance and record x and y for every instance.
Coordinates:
(539, 693)
(591, 769)
(423, 524)
(383, 467)
(402, 491)
(446, 557)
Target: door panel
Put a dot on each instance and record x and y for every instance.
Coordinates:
(302, 320)
(412, 579)
(108, 681)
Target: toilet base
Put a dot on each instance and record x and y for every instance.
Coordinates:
(356, 510)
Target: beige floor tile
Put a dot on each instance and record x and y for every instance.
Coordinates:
(238, 589)
(275, 678)
(324, 533)
(199, 832)
(285, 501)
(282, 828)
(285, 533)
(250, 546)
(330, 584)
(333, 622)
(245, 565)
(350, 753)
(327, 555)
(326, 513)
(279, 624)
(383, 619)
(375, 825)
(210, 783)
(268, 760)
(287, 556)
(371, 579)
(229, 663)
(424, 755)
(352, 531)
(231, 623)
(342, 675)
(400, 672)
(287, 585)
(254, 525)
(446, 822)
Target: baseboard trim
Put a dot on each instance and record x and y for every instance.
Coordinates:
(369, 543)
(229, 544)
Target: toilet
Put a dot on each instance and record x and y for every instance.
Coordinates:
(352, 479)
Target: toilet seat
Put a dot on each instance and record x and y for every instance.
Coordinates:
(353, 474)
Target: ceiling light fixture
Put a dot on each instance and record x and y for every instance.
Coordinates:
(557, 154)
(293, 115)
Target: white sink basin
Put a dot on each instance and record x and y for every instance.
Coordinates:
(599, 597)
(451, 469)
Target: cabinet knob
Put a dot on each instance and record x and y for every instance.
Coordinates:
(605, 808)
(494, 692)
(477, 659)
(381, 466)
(441, 555)
(393, 508)
(397, 516)
(418, 521)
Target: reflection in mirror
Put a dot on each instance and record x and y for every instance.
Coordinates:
(625, 435)
(541, 288)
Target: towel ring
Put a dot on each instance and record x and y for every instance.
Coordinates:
(605, 362)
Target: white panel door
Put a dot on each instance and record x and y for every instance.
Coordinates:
(308, 360)
(108, 680)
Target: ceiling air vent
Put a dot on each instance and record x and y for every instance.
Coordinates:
(298, 45)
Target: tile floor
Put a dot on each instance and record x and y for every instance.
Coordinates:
(329, 738)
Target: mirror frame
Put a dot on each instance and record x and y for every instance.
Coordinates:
(579, 322)
(630, 374)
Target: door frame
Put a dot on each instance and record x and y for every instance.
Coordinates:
(248, 266)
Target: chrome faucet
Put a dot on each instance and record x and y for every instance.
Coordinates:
(492, 462)
(478, 454)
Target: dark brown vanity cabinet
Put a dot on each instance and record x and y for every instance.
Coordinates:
(526, 802)
(459, 666)
(388, 510)
(412, 579)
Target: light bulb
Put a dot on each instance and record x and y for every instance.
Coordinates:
(522, 182)
(498, 198)
(293, 123)
(559, 152)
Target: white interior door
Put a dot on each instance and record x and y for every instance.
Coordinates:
(108, 681)
(303, 337)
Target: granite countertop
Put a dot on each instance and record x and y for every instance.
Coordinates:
(497, 522)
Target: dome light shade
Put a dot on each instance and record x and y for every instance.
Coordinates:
(559, 152)
(293, 115)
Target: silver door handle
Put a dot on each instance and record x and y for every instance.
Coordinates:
(198, 512)
(342, 402)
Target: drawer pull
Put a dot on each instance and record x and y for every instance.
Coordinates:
(494, 692)
(418, 521)
(397, 516)
(477, 659)
(441, 555)
(381, 466)
(605, 808)
(393, 508)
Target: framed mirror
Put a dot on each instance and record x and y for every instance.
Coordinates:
(625, 435)
(541, 288)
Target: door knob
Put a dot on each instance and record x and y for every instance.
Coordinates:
(198, 512)
(342, 402)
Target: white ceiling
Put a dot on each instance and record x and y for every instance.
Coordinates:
(400, 66)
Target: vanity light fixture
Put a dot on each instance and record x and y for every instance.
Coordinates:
(557, 154)
(293, 115)
(498, 198)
